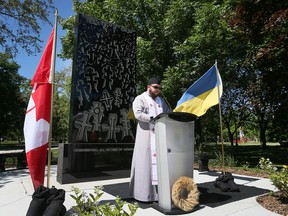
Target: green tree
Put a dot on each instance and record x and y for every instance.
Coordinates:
(263, 25)
(13, 104)
(20, 24)
(222, 31)
(152, 20)
(177, 40)
(211, 39)
(180, 40)
(61, 104)
(236, 112)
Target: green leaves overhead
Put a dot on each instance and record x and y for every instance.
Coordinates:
(179, 40)
(20, 24)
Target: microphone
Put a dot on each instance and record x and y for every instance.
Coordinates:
(166, 101)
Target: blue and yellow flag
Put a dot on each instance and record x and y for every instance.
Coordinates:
(203, 94)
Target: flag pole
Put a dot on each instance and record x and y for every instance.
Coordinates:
(52, 92)
(220, 118)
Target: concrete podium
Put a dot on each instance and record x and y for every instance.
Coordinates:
(174, 134)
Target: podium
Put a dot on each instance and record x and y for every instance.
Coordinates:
(174, 134)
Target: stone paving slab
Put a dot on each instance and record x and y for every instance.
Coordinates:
(16, 194)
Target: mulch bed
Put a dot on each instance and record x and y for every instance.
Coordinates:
(274, 202)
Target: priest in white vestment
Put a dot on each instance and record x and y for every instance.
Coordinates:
(143, 178)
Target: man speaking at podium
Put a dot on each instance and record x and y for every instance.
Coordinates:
(143, 178)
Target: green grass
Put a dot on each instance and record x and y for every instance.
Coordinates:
(54, 156)
(245, 155)
(248, 154)
(13, 145)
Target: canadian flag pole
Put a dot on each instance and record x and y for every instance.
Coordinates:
(52, 80)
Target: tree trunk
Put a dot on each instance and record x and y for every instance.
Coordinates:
(230, 136)
(263, 137)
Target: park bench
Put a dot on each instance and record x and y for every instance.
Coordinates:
(16, 153)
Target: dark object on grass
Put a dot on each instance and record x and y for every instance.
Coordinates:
(225, 182)
(48, 202)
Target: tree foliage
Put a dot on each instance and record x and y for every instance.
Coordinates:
(156, 34)
(263, 26)
(236, 112)
(61, 103)
(20, 24)
(13, 104)
(179, 40)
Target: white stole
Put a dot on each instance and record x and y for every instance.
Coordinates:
(155, 108)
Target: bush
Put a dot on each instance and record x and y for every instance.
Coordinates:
(229, 159)
(88, 205)
(279, 178)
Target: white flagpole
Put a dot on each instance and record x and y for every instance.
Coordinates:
(220, 116)
(51, 79)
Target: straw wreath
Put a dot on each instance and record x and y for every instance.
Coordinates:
(185, 194)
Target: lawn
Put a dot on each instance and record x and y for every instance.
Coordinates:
(247, 154)
(250, 153)
(11, 162)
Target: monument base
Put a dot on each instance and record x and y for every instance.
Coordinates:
(82, 162)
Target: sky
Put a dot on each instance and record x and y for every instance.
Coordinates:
(28, 64)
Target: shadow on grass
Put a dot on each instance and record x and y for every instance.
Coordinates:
(252, 153)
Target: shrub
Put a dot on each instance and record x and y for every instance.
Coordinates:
(229, 159)
(278, 177)
(88, 204)
(245, 165)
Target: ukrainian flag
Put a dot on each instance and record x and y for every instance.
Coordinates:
(203, 94)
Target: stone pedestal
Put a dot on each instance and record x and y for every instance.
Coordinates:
(80, 162)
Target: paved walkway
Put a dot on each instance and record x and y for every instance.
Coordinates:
(16, 194)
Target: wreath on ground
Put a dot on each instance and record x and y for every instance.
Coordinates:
(185, 194)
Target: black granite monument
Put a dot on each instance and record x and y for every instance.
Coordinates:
(102, 125)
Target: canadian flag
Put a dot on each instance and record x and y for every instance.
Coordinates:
(37, 120)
